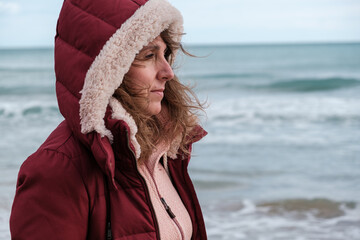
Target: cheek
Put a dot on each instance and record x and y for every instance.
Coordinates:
(139, 78)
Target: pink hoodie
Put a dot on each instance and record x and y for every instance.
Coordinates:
(174, 224)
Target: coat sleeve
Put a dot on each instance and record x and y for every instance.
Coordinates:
(51, 201)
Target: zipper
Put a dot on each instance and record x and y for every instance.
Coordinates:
(173, 217)
(168, 209)
(146, 189)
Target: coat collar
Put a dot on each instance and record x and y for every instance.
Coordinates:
(105, 151)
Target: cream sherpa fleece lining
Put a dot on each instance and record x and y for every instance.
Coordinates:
(114, 60)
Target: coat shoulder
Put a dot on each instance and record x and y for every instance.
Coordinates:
(61, 152)
(64, 186)
(63, 141)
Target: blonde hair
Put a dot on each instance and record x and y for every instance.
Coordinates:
(180, 108)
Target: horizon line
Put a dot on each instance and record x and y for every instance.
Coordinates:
(222, 44)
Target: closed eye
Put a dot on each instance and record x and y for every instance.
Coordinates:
(149, 55)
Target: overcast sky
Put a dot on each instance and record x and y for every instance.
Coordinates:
(25, 23)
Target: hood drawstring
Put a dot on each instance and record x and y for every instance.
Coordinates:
(165, 161)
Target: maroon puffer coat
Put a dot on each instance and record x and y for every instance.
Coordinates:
(62, 188)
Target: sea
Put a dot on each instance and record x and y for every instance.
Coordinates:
(281, 160)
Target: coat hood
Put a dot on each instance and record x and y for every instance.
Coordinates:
(96, 42)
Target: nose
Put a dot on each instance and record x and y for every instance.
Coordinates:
(165, 71)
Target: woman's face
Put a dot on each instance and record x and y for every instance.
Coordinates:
(149, 73)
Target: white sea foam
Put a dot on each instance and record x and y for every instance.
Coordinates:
(297, 120)
(260, 109)
(256, 222)
(17, 108)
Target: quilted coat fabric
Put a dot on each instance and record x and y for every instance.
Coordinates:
(62, 187)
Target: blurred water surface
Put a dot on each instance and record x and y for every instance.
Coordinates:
(282, 157)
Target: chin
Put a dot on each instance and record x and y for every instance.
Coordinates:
(154, 109)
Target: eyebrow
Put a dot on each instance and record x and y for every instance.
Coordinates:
(154, 47)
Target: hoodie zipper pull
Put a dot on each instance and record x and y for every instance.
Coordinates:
(167, 208)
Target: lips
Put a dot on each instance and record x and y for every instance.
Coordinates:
(159, 92)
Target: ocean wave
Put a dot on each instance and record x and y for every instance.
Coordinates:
(267, 82)
(214, 185)
(226, 76)
(311, 85)
(279, 110)
(280, 118)
(28, 90)
(283, 219)
(221, 174)
(300, 208)
(22, 69)
(12, 111)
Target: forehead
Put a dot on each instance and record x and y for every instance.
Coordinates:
(157, 43)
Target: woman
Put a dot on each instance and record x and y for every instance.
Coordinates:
(116, 167)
